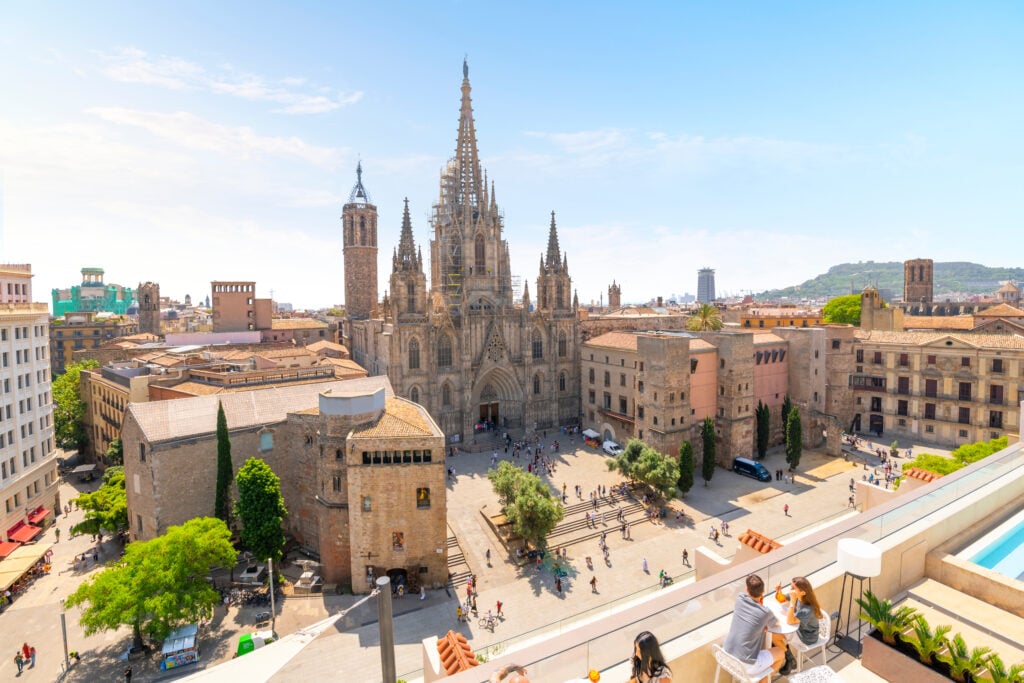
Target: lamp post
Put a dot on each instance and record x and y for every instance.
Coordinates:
(273, 614)
(860, 561)
(64, 635)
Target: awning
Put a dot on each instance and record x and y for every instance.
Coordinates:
(25, 533)
(8, 547)
(590, 434)
(39, 515)
(84, 469)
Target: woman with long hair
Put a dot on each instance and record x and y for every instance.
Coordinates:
(648, 662)
(803, 612)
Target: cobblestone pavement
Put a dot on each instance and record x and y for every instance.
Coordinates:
(530, 602)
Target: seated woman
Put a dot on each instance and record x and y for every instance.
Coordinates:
(803, 610)
(648, 662)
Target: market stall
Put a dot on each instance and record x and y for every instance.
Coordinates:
(23, 565)
(591, 438)
(180, 648)
(85, 472)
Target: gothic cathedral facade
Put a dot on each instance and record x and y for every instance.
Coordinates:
(463, 348)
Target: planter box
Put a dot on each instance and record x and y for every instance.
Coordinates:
(892, 664)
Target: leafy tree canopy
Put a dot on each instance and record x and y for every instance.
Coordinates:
(657, 470)
(506, 480)
(534, 512)
(160, 584)
(960, 458)
(115, 452)
(624, 461)
(107, 507)
(705, 318)
(843, 309)
(261, 509)
(68, 407)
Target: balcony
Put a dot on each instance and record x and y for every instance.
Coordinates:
(621, 417)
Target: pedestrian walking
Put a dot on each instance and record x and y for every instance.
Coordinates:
(558, 584)
(686, 557)
(644, 563)
(488, 556)
(32, 656)
(19, 660)
(25, 651)
(423, 592)
(128, 674)
(785, 508)
(593, 584)
(56, 532)
(851, 503)
(498, 610)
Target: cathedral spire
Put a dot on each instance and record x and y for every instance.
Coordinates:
(554, 258)
(467, 159)
(359, 194)
(406, 256)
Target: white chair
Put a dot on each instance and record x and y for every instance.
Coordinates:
(819, 674)
(735, 668)
(824, 631)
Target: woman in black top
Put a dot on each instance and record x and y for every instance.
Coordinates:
(648, 662)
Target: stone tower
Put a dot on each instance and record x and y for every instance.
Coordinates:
(614, 295)
(359, 237)
(408, 282)
(553, 281)
(918, 281)
(149, 308)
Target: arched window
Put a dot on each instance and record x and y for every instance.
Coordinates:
(444, 352)
(351, 231)
(410, 293)
(362, 230)
(536, 384)
(446, 394)
(538, 345)
(414, 355)
(561, 381)
(478, 251)
(414, 395)
(562, 346)
(559, 295)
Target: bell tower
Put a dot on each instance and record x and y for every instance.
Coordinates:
(149, 308)
(359, 239)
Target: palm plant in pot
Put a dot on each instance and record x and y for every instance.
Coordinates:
(887, 621)
(998, 673)
(964, 661)
(927, 642)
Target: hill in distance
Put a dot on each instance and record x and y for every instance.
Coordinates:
(850, 278)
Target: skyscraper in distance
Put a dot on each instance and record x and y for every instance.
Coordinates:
(706, 285)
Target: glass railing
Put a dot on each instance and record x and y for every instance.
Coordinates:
(713, 598)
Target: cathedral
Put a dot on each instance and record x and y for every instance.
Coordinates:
(463, 347)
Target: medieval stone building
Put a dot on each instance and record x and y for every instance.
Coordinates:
(464, 348)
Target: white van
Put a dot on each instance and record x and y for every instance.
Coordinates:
(611, 448)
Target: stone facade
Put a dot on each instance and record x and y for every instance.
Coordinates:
(614, 295)
(362, 472)
(464, 349)
(359, 237)
(149, 308)
(918, 281)
(236, 308)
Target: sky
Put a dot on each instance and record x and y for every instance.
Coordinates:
(191, 141)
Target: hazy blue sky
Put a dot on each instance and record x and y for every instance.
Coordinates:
(191, 141)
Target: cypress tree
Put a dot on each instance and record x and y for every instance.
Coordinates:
(225, 473)
(686, 467)
(764, 429)
(794, 439)
(707, 433)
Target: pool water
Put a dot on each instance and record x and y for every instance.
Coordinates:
(1005, 554)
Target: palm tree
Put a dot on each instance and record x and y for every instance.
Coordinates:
(881, 615)
(963, 660)
(705, 318)
(926, 640)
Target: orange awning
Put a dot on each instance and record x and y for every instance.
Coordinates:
(39, 515)
(25, 533)
(8, 547)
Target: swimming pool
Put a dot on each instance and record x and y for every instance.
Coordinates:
(1004, 550)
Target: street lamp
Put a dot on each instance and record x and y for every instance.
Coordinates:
(64, 635)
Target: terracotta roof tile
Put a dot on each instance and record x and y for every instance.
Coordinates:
(316, 347)
(758, 542)
(400, 418)
(939, 322)
(625, 341)
(297, 324)
(981, 341)
(923, 475)
(1000, 311)
(456, 654)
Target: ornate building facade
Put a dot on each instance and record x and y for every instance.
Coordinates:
(464, 348)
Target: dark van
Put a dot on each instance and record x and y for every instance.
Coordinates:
(751, 468)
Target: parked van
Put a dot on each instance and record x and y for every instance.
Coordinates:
(611, 448)
(751, 468)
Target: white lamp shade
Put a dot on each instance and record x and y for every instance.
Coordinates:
(859, 558)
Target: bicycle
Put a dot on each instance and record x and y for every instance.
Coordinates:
(487, 623)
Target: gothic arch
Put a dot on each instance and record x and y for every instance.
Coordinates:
(414, 394)
(479, 254)
(414, 354)
(446, 395)
(537, 344)
(562, 344)
(561, 381)
(362, 231)
(538, 384)
(444, 350)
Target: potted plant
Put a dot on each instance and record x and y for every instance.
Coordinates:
(887, 621)
(997, 672)
(887, 652)
(964, 663)
(927, 642)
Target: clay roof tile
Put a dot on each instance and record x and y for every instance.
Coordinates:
(456, 654)
(758, 542)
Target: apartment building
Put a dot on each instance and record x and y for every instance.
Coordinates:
(84, 330)
(28, 471)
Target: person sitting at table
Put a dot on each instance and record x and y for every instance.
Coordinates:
(803, 610)
(745, 639)
(648, 662)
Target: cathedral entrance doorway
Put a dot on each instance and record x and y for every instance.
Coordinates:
(500, 400)
(489, 412)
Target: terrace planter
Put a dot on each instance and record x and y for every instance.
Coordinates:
(893, 663)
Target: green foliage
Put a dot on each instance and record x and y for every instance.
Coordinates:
(794, 439)
(534, 512)
(764, 429)
(222, 501)
(843, 309)
(658, 471)
(506, 480)
(787, 406)
(963, 660)
(68, 407)
(686, 468)
(705, 318)
(707, 436)
(961, 457)
(934, 463)
(881, 615)
(998, 673)
(926, 641)
(115, 452)
(107, 507)
(261, 509)
(158, 585)
(949, 277)
(624, 461)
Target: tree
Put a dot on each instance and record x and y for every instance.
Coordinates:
(705, 318)
(222, 502)
(624, 461)
(69, 408)
(115, 452)
(787, 406)
(707, 435)
(764, 429)
(159, 584)
(534, 512)
(506, 480)
(107, 507)
(794, 436)
(843, 309)
(261, 509)
(685, 482)
(658, 471)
